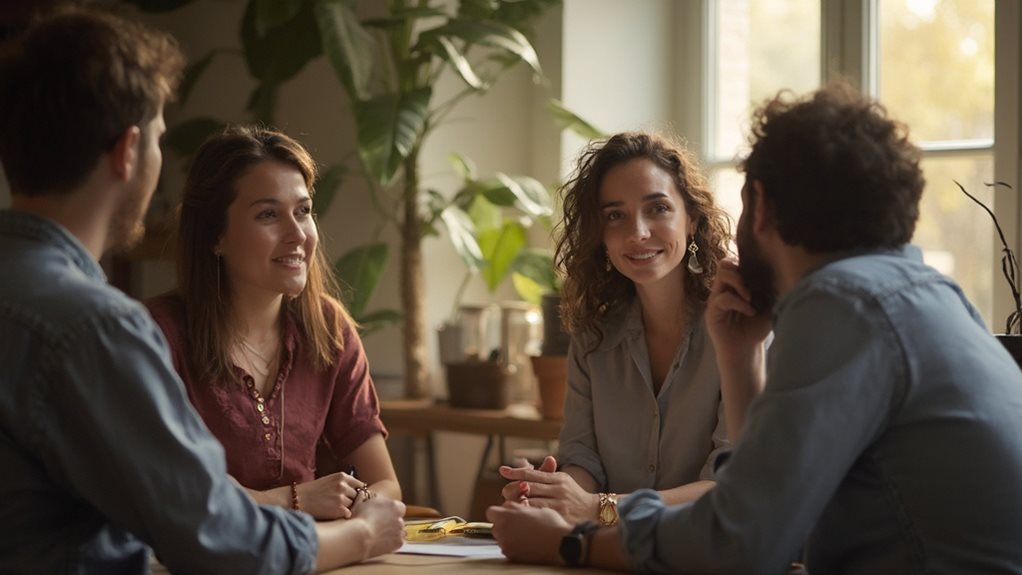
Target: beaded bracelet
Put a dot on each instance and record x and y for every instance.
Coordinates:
(294, 497)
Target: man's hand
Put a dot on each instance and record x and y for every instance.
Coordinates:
(735, 328)
(527, 534)
(383, 518)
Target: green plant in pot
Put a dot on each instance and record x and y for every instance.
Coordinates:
(1012, 336)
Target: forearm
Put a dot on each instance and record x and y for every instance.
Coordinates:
(581, 477)
(342, 542)
(388, 488)
(686, 493)
(606, 552)
(279, 496)
(740, 382)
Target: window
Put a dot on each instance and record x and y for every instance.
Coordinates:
(930, 62)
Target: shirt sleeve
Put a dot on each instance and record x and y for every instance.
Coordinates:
(830, 352)
(721, 443)
(354, 414)
(123, 436)
(577, 440)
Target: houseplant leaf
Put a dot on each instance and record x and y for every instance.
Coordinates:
(283, 51)
(191, 75)
(327, 185)
(348, 46)
(568, 120)
(500, 247)
(445, 48)
(488, 33)
(186, 137)
(389, 127)
(272, 13)
(359, 270)
(461, 232)
(377, 320)
(532, 196)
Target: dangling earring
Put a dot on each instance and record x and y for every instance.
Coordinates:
(216, 252)
(607, 266)
(693, 263)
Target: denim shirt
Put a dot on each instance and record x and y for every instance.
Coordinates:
(102, 455)
(888, 440)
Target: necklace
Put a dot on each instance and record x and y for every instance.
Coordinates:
(251, 353)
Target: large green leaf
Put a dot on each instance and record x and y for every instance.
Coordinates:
(402, 16)
(465, 167)
(445, 48)
(348, 46)
(273, 13)
(484, 214)
(533, 274)
(487, 33)
(186, 137)
(389, 128)
(500, 247)
(191, 76)
(527, 289)
(359, 270)
(280, 53)
(327, 185)
(568, 120)
(533, 197)
(461, 232)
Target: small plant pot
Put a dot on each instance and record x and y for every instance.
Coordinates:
(478, 384)
(552, 376)
(1013, 343)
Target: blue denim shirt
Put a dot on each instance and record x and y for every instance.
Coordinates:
(102, 455)
(888, 440)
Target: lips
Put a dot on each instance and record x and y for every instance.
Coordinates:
(290, 259)
(643, 256)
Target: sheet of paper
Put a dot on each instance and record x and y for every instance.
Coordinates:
(455, 547)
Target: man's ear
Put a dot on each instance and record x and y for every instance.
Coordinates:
(124, 155)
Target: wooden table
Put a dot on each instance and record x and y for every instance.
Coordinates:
(421, 418)
(403, 564)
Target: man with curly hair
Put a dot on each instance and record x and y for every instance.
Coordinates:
(881, 432)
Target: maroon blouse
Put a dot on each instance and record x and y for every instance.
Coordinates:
(337, 408)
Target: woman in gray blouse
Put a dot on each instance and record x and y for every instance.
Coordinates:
(639, 246)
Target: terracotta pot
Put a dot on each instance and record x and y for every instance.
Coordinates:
(552, 375)
(478, 384)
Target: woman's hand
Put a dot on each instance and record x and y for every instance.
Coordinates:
(546, 488)
(382, 516)
(330, 496)
(526, 534)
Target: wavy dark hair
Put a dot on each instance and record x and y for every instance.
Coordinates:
(837, 173)
(589, 290)
(209, 190)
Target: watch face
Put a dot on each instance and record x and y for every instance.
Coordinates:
(571, 548)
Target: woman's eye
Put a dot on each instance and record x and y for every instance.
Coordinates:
(265, 215)
(613, 216)
(305, 210)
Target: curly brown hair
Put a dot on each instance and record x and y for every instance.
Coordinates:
(837, 173)
(589, 290)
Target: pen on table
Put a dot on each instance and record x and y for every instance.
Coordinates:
(351, 471)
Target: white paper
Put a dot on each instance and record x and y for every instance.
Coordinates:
(455, 547)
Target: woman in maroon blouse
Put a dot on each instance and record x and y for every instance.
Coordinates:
(269, 356)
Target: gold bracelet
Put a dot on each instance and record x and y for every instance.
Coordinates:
(294, 497)
(607, 513)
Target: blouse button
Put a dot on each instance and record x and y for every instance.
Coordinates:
(259, 399)
(267, 436)
(266, 420)
(260, 407)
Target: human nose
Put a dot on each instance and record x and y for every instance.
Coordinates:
(639, 229)
(295, 232)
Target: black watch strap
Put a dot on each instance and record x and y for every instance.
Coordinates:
(574, 548)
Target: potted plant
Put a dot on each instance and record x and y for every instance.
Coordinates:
(1012, 336)
(388, 57)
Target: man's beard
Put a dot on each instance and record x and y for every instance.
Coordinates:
(127, 225)
(757, 274)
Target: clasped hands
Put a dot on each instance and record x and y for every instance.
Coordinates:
(549, 489)
(333, 496)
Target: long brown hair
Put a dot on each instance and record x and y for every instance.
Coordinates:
(202, 219)
(590, 290)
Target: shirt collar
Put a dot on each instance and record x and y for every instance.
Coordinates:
(44, 230)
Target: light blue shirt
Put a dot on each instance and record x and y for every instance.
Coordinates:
(888, 440)
(102, 455)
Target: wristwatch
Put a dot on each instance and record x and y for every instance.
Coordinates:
(607, 513)
(575, 545)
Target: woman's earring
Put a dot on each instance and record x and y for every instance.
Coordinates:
(694, 266)
(216, 252)
(607, 266)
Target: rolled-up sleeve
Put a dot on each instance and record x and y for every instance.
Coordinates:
(577, 440)
(121, 432)
(800, 439)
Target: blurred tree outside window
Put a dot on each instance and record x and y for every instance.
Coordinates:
(931, 63)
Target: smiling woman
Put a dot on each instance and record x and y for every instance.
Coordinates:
(255, 318)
